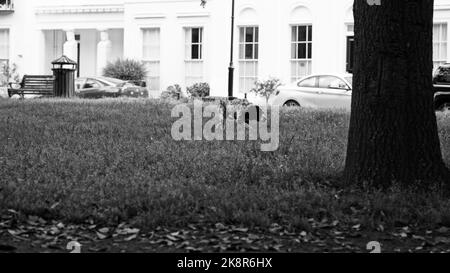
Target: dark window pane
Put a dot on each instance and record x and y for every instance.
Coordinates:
(249, 51)
(350, 53)
(302, 33)
(310, 33)
(249, 35)
(195, 35)
(301, 51)
(256, 34)
(310, 51)
(256, 51)
(195, 52)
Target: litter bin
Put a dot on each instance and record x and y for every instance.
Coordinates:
(64, 73)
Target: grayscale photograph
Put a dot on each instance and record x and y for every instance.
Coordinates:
(225, 134)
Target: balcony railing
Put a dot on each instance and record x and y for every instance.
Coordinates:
(6, 6)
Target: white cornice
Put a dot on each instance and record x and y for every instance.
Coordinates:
(192, 14)
(79, 9)
(150, 16)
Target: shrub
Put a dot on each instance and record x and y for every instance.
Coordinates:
(172, 92)
(9, 74)
(199, 90)
(266, 88)
(126, 69)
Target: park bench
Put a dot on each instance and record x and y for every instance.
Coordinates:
(34, 85)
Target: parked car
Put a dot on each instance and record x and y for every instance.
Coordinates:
(315, 91)
(441, 84)
(103, 87)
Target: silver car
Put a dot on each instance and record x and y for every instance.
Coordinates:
(315, 91)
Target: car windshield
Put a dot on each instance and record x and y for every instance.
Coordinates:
(112, 81)
(350, 81)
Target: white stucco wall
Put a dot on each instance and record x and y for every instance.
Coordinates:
(33, 22)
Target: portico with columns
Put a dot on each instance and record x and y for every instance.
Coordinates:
(91, 48)
(92, 36)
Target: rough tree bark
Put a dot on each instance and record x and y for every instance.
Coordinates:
(393, 130)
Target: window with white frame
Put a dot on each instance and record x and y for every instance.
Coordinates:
(151, 56)
(350, 47)
(248, 57)
(4, 47)
(194, 56)
(439, 44)
(301, 51)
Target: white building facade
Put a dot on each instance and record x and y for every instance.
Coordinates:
(184, 43)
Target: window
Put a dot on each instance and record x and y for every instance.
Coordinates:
(310, 82)
(248, 57)
(439, 44)
(301, 52)
(194, 56)
(350, 58)
(4, 47)
(151, 55)
(92, 84)
(331, 82)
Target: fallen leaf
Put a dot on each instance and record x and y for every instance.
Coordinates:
(172, 238)
(131, 231)
(357, 226)
(243, 230)
(104, 230)
(131, 238)
(101, 236)
(54, 206)
(420, 238)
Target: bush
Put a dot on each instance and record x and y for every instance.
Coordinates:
(126, 69)
(172, 92)
(8, 75)
(199, 90)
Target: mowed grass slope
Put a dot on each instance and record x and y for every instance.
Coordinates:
(115, 161)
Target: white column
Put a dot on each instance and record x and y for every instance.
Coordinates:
(71, 46)
(104, 49)
(40, 65)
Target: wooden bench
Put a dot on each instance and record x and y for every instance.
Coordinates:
(34, 85)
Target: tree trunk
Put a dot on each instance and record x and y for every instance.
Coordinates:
(393, 130)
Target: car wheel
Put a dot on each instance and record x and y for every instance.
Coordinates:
(291, 103)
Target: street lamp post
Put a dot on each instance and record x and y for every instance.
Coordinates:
(231, 67)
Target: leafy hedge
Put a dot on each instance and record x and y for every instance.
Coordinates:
(126, 69)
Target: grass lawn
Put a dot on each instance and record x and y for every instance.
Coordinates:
(114, 161)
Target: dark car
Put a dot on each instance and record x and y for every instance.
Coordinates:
(441, 83)
(104, 87)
